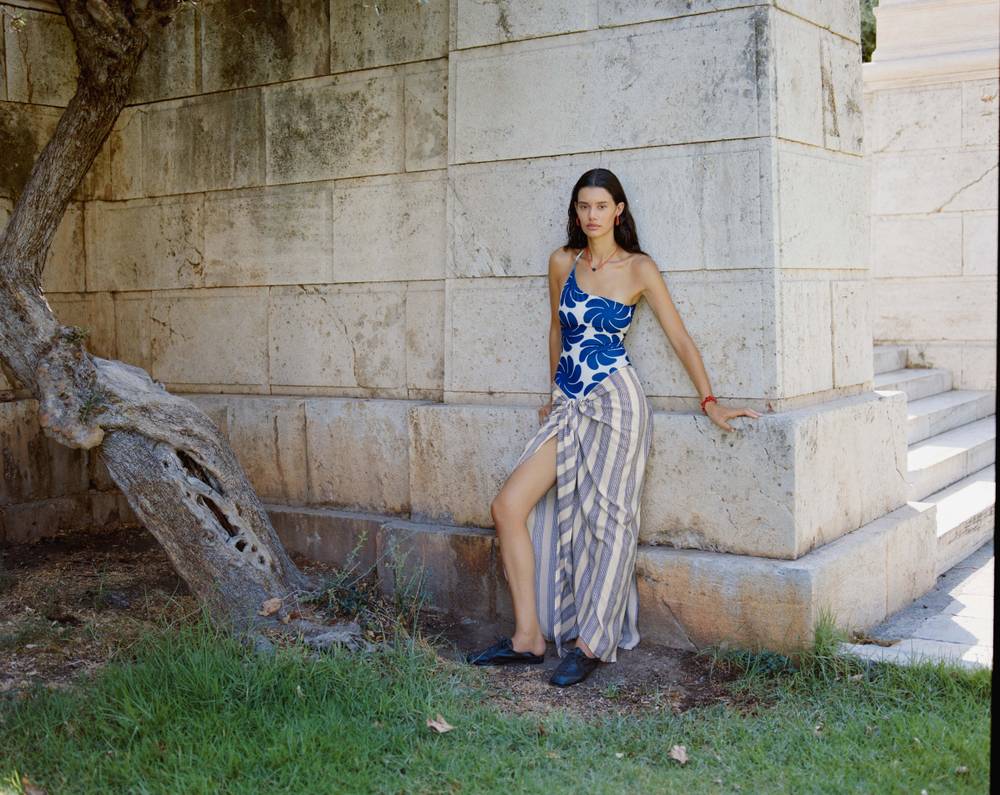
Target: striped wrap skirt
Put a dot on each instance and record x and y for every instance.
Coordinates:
(585, 530)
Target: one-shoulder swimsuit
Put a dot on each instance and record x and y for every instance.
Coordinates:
(593, 334)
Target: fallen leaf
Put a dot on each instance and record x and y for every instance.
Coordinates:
(553, 755)
(439, 724)
(856, 677)
(818, 729)
(961, 770)
(679, 752)
(618, 755)
(29, 788)
(270, 607)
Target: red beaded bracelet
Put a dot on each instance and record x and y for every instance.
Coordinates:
(705, 400)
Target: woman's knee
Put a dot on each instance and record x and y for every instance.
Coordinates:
(502, 510)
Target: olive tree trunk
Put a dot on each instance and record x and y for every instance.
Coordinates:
(169, 459)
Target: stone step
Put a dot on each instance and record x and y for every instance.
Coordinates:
(688, 598)
(915, 382)
(938, 413)
(966, 512)
(945, 458)
(889, 357)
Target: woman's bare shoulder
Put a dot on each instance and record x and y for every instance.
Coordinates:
(561, 259)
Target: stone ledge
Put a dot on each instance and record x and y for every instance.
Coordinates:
(687, 598)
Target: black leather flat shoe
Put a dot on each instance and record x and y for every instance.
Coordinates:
(575, 667)
(501, 653)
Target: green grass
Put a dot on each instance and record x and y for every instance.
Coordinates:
(194, 712)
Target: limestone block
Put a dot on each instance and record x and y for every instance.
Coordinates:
(980, 99)
(268, 435)
(451, 568)
(805, 337)
(932, 182)
(979, 244)
(477, 24)
(972, 364)
(341, 126)
(390, 228)
(263, 43)
(364, 35)
(92, 311)
(209, 336)
(425, 335)
(460, 456)
(64, 264)
(35, 520)
(338, 337)
(753, 602)
(732, 321)
(525, 99)
(330, 536)
(840, 16)
(917, 246)
(627, 12)
(124, 147)
(843, 123)
(425, 99)
(841, 239)
(358, 453)
(216, 407)
(40, 57)
(168, 66)
(935, 309)
(34, 467)
(906, 119)
(133, 329)
(853, 359)
(24, 131)
(3, 81)
(211, 142)
(800, 88)
(111, 509)
(497, 335)
(274, 235)
(146, 244)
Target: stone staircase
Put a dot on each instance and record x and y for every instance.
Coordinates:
(951, 436)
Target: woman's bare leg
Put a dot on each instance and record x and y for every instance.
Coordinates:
(510, 508)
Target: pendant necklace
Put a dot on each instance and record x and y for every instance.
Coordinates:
(590, 258)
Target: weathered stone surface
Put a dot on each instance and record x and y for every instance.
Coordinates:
(972, 364)
(425, 335)
(364, 35)
(359, 453)
(40, 57)
(452, 567)
(843, 123)
(805, 336)
(24, 131)
(168, 67)
(124, 154)
(841, 241)
(425, 99)
(852, 332)
(146, 244)
(209, 322)
(980, 102)
(268, 435)
(626, 12)
(390, 228)
(330, 536)
(799, 91)
(341, 126)
(935, 309)
(477, 24)
(949, 181)
(64, 265)
(210, 142)
(133, 329)
(344, 337)
(34, 520)
(3, 58)
(269, 236)
(917, 246)
(979, 244)
(244, 45)
(92, 311)
(909, 119)
(460, 456)
(525, 99)
(840, 17)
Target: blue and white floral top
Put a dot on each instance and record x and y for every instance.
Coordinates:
(593, 332)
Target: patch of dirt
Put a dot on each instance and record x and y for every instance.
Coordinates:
(643, 680)
(71, 603)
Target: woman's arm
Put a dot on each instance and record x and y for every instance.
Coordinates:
(556, 279)
(654, 288)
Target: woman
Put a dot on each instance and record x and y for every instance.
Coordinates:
(593, 444)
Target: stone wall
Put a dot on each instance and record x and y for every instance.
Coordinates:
(931, 100)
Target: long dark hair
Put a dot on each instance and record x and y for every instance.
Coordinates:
(626, 235)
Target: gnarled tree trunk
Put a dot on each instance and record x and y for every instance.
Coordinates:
(169, 459)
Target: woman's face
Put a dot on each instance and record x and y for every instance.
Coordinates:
(596, 209)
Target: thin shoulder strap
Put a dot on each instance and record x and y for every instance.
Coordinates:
(577, 257)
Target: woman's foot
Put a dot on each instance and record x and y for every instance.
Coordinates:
(535, 645)
(575, 666)
(502, 652)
